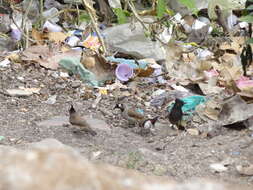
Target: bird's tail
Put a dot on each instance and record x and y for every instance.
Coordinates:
(93, 133)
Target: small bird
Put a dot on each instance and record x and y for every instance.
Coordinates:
(176, 114)
(147, 126)
(133, 117)
(76, 120)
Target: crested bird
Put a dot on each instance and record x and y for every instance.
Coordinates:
(176, 114)
(76, 120)
(148, 125)
(133, 117)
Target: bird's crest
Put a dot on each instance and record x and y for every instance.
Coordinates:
(119, 106)
(179, 102)
(154, 120)
(72, 109)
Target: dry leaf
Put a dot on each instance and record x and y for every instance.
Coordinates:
(89, 62)
(212, 110)
(56, 36)
(38, 36)
(46, 57)
(144, 72)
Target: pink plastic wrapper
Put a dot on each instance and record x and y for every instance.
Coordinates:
(244, 83)
(92, 42)
(211, 73)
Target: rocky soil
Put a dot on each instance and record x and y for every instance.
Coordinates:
(169, 153)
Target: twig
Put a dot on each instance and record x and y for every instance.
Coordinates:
(25, 15)
(91, 12)
(27, 37)
(41, 12)
(131, 5)
(22, 31)
(60, 12)
(78, 15)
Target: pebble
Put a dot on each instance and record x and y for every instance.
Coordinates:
(76, 84)
(193, 132)
(19, 92)
(245, 170)
(51, 100)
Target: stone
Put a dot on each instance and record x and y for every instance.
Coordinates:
(76, 84)
(245, 170)
(133, 42)
(19, 92)
(49, 164)
(51, 100)
(193, 132)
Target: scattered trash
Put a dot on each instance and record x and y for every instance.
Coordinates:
(218, 167)
(61, 51)
(190, 103)
(50, 27)
(5, 63)
(73, 65)
(124, 72)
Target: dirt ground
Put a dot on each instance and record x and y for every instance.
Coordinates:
(168, 153)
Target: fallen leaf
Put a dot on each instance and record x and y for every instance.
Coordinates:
(144, 72)
(47, 57)
(56, 36)
(38, 36)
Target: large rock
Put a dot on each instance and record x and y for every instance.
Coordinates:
(129, 39)
(51, 165)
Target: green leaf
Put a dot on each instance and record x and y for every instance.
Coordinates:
(250, 7)
(161, 8)
(121, 15)
(84, 17)
(250, 41)
(248, 18)
(190, 4)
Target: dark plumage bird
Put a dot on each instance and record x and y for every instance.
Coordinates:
(176, 113)
(76, 120)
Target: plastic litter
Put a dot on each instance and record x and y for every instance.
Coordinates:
(191, 102)
(16, 34)
(73, 65)
(124, 72)
(130, 62)
(51, 27)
